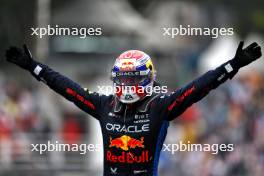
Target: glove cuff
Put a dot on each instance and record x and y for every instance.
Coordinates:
(231, 68)
(35, 69)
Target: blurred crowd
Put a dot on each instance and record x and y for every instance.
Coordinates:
(28, 116)
(232, 114)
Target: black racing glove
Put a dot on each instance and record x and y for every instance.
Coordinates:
(22, 58)
(245, 56)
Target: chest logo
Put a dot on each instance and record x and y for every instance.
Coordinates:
(127, 129)
(126, 142)
(113, 170)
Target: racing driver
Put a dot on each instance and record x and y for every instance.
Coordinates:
(133, 121)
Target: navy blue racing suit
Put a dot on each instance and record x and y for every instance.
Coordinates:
(133, 135)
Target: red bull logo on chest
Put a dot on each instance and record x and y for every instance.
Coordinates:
(126, 143)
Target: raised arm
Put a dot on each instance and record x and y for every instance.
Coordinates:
(88, 102)
(178, 101)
